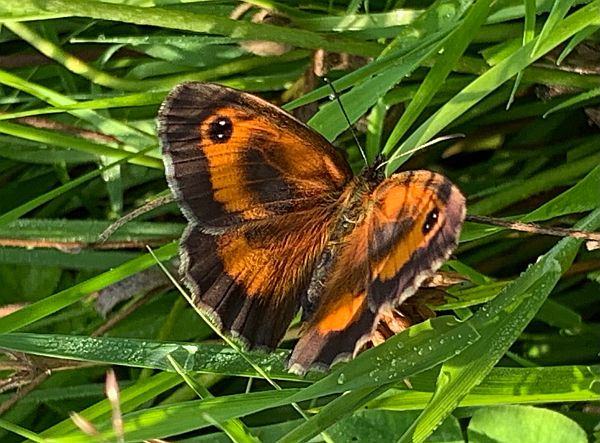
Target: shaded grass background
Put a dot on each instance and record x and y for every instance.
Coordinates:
(81, 82)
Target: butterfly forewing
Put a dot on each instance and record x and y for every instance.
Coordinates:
(232, 157)
(414, 227)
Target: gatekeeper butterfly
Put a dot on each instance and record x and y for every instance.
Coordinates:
(278, 223)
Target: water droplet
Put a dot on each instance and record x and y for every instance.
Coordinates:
(341, 379)
(571, 331)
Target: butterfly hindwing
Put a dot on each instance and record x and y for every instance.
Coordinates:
(232, 157)
(250, 279)
(342, 315)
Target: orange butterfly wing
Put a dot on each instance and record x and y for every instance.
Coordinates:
(257, 187)
(232, 158)
(410, 226)
(251, 280)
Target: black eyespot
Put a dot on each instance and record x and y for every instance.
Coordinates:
(220, 129)
(430, 220)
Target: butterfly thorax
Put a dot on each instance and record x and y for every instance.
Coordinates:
(353, 204)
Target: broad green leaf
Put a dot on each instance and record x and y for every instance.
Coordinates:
(523, 424)
(384, 426)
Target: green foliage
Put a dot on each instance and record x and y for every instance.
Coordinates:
(81, 82)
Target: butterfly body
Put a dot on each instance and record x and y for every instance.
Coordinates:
(350, 209)
(277, 222)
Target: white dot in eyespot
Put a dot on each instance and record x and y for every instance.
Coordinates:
(220, 129)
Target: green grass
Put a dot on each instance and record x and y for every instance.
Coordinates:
(512, 352)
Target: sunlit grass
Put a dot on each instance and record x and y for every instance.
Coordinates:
(81, 83)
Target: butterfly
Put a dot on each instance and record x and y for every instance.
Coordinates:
(278, 223)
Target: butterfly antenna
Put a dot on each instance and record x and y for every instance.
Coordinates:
(424, 145)
(336, 96)
(152, 204)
